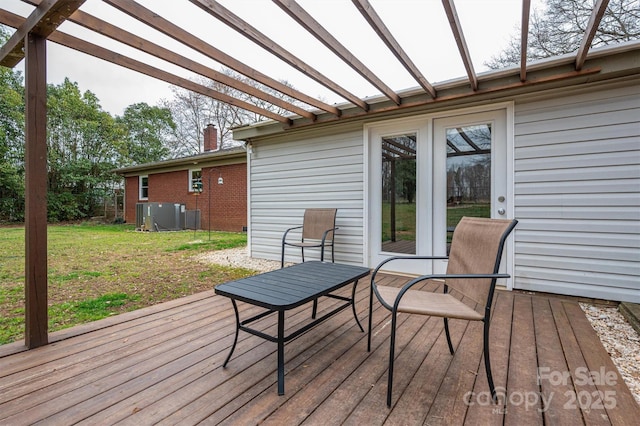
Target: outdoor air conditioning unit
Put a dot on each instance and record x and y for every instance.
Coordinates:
(160, 216)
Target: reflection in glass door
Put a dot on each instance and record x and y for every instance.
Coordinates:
(398, 197)
(468, 170)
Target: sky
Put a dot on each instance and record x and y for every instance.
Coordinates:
(420, 26)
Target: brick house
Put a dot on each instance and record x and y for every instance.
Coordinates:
(215, 180)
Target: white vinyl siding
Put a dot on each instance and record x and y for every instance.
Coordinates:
(577, 193)
(317, 172)
(576, 190)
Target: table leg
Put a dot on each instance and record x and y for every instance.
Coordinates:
(280, 352)
(235, 340)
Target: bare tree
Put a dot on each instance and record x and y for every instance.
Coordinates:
(193, 111)
(559, 27)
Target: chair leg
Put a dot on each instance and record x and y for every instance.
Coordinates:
(446, 332)
(332, 252)
(392, 346)
(487, 362)
(370, 318)
(302, 250)
(315, 309)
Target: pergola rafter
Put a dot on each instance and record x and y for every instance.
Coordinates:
(166, 27)
(135, 65)
(376, 22)
(102, 27)
(590, 32)
(247, 30)
(303, 18)
(456, 28)
(524, 38)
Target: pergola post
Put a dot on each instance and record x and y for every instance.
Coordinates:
(30, 42)
(36, 191)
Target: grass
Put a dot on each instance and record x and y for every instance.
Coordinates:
(95, 271)
(406, 218)
(78, 312)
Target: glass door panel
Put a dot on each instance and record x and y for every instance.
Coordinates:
(468, 167)
(470, 173)
(398, 196)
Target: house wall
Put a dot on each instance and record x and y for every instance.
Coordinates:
(316, 171)
(577, 192)
(228, 201)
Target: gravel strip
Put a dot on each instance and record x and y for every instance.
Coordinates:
(617, 336)
(239, 258)
(620, 340)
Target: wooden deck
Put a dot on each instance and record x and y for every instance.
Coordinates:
(163, 364)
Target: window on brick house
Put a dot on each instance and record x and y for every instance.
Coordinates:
(143, 188)
(195, 179)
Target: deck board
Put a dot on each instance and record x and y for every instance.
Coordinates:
(163, 364)
(522, 403)
(551, 358)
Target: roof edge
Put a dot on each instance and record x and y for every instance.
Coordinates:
(456, 90)
(219, 157)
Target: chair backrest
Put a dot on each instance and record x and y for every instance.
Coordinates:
(476, 248)
(317, 221)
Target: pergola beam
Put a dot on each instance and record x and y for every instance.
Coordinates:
(302, 17)
(456, 28)
(42, 21)
(235, 22)
(372, 17)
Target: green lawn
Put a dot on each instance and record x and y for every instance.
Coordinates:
(100, 270)
(406, 218)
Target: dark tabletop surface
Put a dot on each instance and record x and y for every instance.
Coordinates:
(293, 286)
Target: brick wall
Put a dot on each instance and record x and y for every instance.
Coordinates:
(228, 201)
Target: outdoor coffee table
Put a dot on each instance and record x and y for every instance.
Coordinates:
(285, 289)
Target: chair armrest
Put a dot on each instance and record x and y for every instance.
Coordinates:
(384, 262)
(284, 236)
(324, 235)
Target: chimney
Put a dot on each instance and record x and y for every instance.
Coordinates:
(210, 138)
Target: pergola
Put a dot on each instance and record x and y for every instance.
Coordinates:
(29, 43)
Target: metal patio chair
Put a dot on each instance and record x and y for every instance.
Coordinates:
(318, 228)
(472, 272)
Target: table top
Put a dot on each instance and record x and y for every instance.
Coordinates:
(292, 286)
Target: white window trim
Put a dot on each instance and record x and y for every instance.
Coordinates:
(190, 181)
(140, 197)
